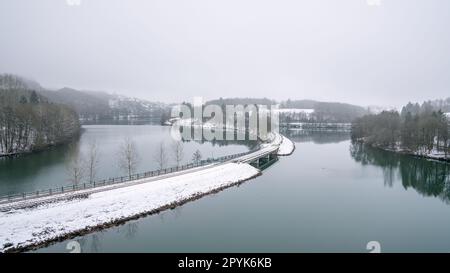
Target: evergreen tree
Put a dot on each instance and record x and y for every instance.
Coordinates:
(34, 98)
(23, 99)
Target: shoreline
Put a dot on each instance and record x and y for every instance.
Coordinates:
(66, 142)
(402, 152)
(59, 221)
(63, 220)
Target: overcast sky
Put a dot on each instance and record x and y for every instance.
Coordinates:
(172, 50)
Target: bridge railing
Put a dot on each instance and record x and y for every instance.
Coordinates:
(115, 180)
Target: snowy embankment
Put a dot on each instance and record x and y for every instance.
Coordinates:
(24, 228)
(423, 152)
(287, 147)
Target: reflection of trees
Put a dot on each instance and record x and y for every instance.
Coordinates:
(130, 230)
(250, 144)
(430, 178)
(316, 136)
(94, 240)
(138, 121)
(96, 243)
(19, 168)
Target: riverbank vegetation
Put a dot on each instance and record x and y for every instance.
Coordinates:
(320, 112)
(29, 122)
(418, 129)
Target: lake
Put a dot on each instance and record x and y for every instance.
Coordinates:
(49, 169)
(329, 196)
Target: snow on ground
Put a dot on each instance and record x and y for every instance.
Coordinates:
(25, 227)
(433, 154)
(286, 147)
(422, 152)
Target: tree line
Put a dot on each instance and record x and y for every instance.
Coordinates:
(418, 129)
(28, 122)
(323, 111)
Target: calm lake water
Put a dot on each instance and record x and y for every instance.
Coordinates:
(48, 169)
(329, 196)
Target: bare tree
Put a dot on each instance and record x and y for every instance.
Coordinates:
(128, 156)
(178, 153)
(93, 161)
(75, 170)
(160, 156)
(197, 157)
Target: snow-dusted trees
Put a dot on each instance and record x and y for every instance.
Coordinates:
(128, 156)
(196, 157)
(92, 161)
(419, 132)
(83, 167)
(177, 151)
(28, 122)
(160, 156)
(76, 170)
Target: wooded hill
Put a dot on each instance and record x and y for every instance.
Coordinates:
(324, 111)
(29, 122)
(89, 104)
(419, 129)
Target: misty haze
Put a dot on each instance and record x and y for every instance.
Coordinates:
(204, 126)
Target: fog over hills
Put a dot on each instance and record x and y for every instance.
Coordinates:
(88, 104)
(103, 105)
(171, 51)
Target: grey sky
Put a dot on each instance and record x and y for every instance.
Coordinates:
(172, 50)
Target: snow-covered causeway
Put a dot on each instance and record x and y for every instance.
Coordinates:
(34, 225)
(27, 227)
(287, 147)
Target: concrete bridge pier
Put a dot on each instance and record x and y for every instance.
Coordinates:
(264, 160)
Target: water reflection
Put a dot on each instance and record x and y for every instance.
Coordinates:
(23, 169)
(91, 243)
(48, 169)
(429, 178)
(137, 121)
(250, 144)
(129, 230)
(317, 137)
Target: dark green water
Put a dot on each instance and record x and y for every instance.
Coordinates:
(329, 196)
(48, 169)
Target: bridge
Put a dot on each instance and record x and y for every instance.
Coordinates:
(262, 157)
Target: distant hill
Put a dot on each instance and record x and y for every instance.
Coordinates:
(101, 105)
(84, 104)
(29, 121)
(242, 101)
(299, 104)
(89, 104)
(10, 81)
(325, 111)
(338, 112)
(314, 111)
